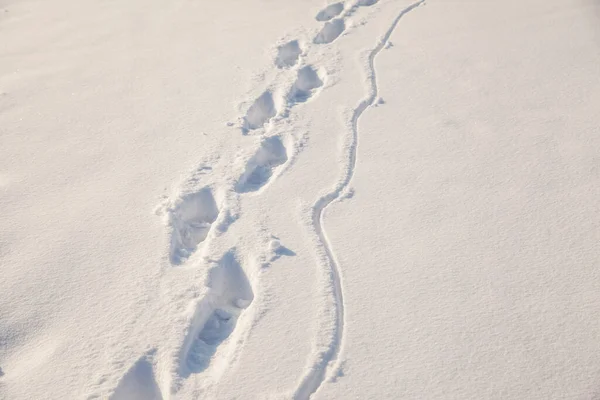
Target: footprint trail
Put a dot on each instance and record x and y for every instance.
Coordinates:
(213, 332)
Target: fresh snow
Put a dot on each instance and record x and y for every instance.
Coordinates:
(269, 200)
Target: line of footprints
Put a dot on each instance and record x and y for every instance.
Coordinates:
(192, 216)
(195, 213)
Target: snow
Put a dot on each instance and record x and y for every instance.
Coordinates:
(268, 200)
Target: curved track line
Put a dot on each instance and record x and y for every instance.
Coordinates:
(314, 379)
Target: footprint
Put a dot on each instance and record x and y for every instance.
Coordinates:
(331, 30)
(307, 80)
(216, 317)
(270, 155)
(138, 383)
(329, 12)
(366, 3)
(191, 219)
(288, 54)
(260, 112)
(217, 328)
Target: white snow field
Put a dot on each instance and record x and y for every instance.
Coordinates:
(362, 199)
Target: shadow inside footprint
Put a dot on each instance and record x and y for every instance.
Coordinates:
(329, 12)
(330, 31)
(366, 3)
(308, 79)
(218, 327)
(271, 154)
(192, 219)
(138, 383)
(288, 54)
(217, 315)
(260, 112)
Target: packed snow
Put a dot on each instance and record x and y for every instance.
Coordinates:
(387, 199)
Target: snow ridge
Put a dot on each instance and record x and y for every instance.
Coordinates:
(329, 360)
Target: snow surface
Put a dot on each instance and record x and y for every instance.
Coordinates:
(290, 200)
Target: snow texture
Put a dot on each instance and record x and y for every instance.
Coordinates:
(269, 200)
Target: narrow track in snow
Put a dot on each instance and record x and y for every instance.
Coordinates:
(313, 380)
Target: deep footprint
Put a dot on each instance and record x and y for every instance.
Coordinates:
(306, 82)
(270, 155)
(330, 31)
(260, 112)
(216, 318)
(329, 12)
(288, 54)
(192, 219)
(218, 328)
